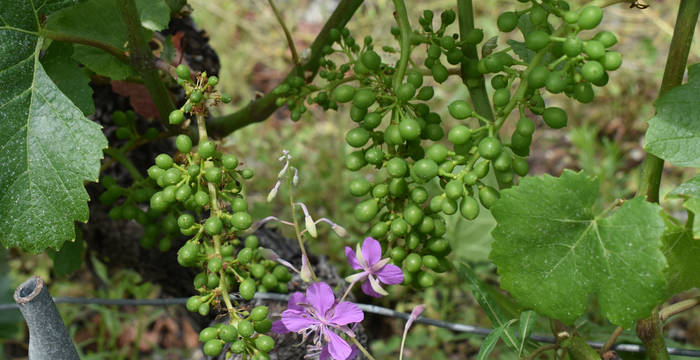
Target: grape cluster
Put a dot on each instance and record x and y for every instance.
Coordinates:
(126, 127)
(402, 138)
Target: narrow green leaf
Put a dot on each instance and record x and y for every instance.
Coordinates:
(527, 321)
(674, 133)
(553, 252)
(491, 340)
(496, 314)
(68, 76)
(48, 146)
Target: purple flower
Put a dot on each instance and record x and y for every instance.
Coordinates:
(318, 313)
(368, 259)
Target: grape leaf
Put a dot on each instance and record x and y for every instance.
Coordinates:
(70, 257)
(682, 253)
(674, 132)
(102, 62)
(9, 320)
(48, 147)
(690, 188)
(553, 253)
(154, 14)
(68, 75)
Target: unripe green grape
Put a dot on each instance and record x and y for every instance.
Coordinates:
(537, 40)
(241, 220)
(357, 114)
(501, 97)
(380, 190)
(245, 328)
(449, 206)
(425, 279)
(193, 170)
(397, 254)
(257, 270)
(538, 15)
(454, 189)
(200, 280)
(399, 227)
(447, 42)
(213, 225)
(555, 117)
(490, 148)
(183, 143)
(379, 230)
(196, 96)
(247, 173)
(488, 196)
(227, 251)
(583, 92)
(169, 194)
(589, 17)
(203, 309)
(592, 71)
(371, 60)
(413, 262)
(213, 174)
(571, 17)
(355, 161)
(119, 118)
(425, 169)
(176, 117)
(469, 208)
(228, 333)
(525, 126)
(520, 166)
(433, 132)
(470, 178)
(414, 78)
(269, 281)
(455, 56)
(499, 81)
(427, 225)
(437, 152)
(430, 261)
(413, 240)
(185, 221)
(507, 21)
(366, 210)
(392, 135)
(607, 38)
(357, 137)
(538, 77)
(229, 161)
(425, 93)
(503, 162)
(413, 214)
(183, 72)
(201, 198)
(572, 46)
(435, 204)
(520, 144)
(238, 205)
(344, 93)
(409, 128)
(398, 187)
(282, 273)
(556, 82)
(371, 121)
(505, 177)
(247, 291)
(397, 167)
(612, 60)
(440, 72)
(212, 280)
(157, 202)
(594, 49)
(164, 161)
(264, 343)
(459, 109)
(481, 169)
(405, 92)
(474, 36)
(214, 264)
(206, 149)
(359, 187)
(208, 333)
(193, 304)
(363, 98)
(434, 52)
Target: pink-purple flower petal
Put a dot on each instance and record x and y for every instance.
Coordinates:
(371, 251)
(352, 258)
(345, 313)
(367, 289)
(390, 274)
(296, 321)
(279, 328)
(337, 347)
(320, 296)
(294, 300)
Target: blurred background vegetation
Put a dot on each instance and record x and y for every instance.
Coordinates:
(603, 138)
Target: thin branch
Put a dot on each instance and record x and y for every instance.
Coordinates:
(611, 341)
(287, 34)
(677, 308)
(260, 109)
(113, 50)
(119, 156)
(404, 41)
(540, 350)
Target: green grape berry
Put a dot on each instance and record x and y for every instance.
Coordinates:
(359, 187)
(415, 78)
(538, 76)
(488, 196)
(241, 220)
(363, 98)
(183, 72)
(583, 92)
(520, 166)
(213, 225)
(440, 72)
(196, 96)
(572, 46)
(264, 343)
(228, 333)
(459, 135)
(213, 347)
(589, 17)
(206, 149)
(176, 117)
(607, 38)
(469, 208)
(425, 169)
(501, 97)
(229, 161)
(437, 153)
(208, 333)
(525, 126)
(594, 49)
(245, 328)
(397, 167)
(413, 262)
(409, 128)
(555, 117)
(490, 148)
(185, 221)
(164, 161)
(366, 210)
(459, 109)
(183, 143)
(592, 71)
(193, 304)
(405, 92)
(537, 40)
(371, 60)
(247, 290)
(259, 313)
(507, 21)
(344, 93)
(612, 60)
(213, 174)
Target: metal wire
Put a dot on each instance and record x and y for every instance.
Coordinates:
(365, 307)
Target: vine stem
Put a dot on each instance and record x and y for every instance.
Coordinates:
(142, 60)
(260, 109)
(119, 156)
(287, 33)
(113, 50)
(540, 350)
(650, 329)
(677, 308)
(476, 86)
(362, 348)
(611, 340)
(296, 224)
(404, 42)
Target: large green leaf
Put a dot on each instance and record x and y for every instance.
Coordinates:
(682, 253)
(9, 320)
(68, 76)
(674, 133)
(553, 252)
(48, 147)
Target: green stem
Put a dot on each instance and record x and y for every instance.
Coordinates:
(362, 348)
(650, 330)
(113, 50)
(297, 229)
(676, 62)
(287, 33)
(677, 308)
(404, 42)
(476, 85)
(540, 350)
(119, 157)
(142, 60)
(576, 346)
(260, 109)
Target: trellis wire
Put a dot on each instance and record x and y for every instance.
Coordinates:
(470, 329)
